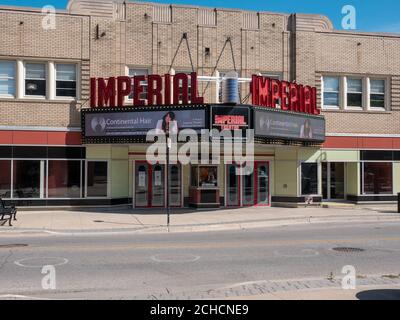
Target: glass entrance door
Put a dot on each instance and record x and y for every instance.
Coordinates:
(248, 190)
(333, 177)
(175, 186)
(262, 169)
(232, 186)
(141, 185)
(157, 190)
(150, 185)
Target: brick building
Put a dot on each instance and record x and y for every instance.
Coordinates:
(45, 83)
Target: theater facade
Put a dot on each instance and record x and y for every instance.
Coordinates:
(77, 103)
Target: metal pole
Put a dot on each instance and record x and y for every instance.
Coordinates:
(167, 189)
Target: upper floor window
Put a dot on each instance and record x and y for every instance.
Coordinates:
(331, 91)
(377, 93)
(7, 78)
(139, 72)
(189, 82)
(35, 79)
(277, 76)
(354, 93)
(66, 80)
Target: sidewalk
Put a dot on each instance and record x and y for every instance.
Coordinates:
(186, 220)
(361, 293)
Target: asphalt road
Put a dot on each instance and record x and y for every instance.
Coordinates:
(130, 266)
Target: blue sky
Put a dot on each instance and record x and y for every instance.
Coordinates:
(372, 15)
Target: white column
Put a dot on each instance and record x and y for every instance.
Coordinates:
(217, 86)
(367, 92)
(20, 79)
(51, 80)
(172, 73)
(343, 98)
(42, 177)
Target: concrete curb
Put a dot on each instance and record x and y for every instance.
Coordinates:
(209, 227)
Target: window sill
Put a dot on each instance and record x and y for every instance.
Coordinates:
(330, 108)
(356, 111)
(41, 100)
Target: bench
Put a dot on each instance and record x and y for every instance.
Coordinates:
(7, 213)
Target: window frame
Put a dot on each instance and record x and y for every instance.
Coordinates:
(362, 92)
(385, 93)
(108, 179)
(14, 63)
(46, 191)
(11, 176)
(339, 92)
(128, 68)
(77, 83)
(46, 79)
(318, 194)
(362, 169)
(187, 72)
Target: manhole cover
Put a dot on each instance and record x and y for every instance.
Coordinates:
(348, 250)
(39, 262)
(11, 246)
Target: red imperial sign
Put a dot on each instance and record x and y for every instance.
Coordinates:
(294, 97)
(113, 91)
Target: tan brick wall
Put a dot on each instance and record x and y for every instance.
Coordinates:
(69, 40)
(23, 37)
(39, 113)
(301, 47)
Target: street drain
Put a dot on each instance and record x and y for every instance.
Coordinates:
(11, 246)
(98, 221)
(348, 250)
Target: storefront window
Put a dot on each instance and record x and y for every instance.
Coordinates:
(5, 179)
(194, 177)
(64, 179)
(97, 179)
(309, 179)
(377, 177)
(208, 176)
(26, 179)
(204, 176)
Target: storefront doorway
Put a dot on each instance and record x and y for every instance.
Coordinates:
(248, 190)
(150, 185)
(333, 177)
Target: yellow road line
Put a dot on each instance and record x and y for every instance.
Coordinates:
(205, 245)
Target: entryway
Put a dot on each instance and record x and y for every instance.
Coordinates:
(150, 185)
(248, 190)
(333, 180)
